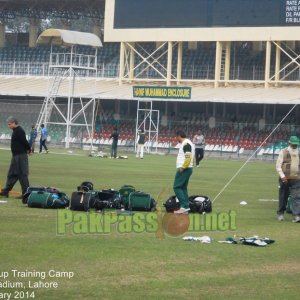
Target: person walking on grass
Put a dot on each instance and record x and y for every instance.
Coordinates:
(288, 169)
(43, 139)
(33, 135)
(199, 142)
(184, 165)
(115, 137)
(19, 168)
(140, 144)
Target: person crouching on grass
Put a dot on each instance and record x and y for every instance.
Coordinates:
(184, 165)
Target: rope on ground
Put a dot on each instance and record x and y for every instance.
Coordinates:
(258, 148)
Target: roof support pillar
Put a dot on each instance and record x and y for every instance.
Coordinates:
(2, 34)
(218, 64)
(179, 62)
(131, 63)
(122, 59)
(268, 63)
(169, 63)
(33, 31)
(227, 63)
(277, 63)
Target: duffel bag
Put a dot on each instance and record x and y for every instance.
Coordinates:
(82, 201)
(108, 198)
(172, 204)
(200, 204)
(43, 199)
(141, 202)
(39, 189)
(124, 192)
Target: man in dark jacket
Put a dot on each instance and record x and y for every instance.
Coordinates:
(115, 137)
(18, 169)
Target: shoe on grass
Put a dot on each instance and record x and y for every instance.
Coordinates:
(296, 219)
(182, 211)
(3, 194)
(280, 217)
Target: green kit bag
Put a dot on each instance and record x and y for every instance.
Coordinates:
(124, 192)
(42, 199)
(141, 201)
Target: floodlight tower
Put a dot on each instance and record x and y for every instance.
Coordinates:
(65, 68)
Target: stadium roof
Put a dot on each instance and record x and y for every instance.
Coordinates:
(110, 89)
(60, 37)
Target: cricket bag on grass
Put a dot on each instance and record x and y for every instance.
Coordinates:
(44, 199)
(107, 199)
(141, 202)
(85, 186)
(172, 204)
(83, 201)
(124, 192)
(200, 204)
(39, 189)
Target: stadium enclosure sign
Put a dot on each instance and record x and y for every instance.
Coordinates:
(162, 92)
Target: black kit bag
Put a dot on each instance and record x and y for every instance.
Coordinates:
(86, 186)
(172, 204)
(141, 202)
(200, 204)
(82, 201)
(108, 199)
(45, 199)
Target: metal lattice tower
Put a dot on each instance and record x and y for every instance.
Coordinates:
(64, 70)
(147, 119)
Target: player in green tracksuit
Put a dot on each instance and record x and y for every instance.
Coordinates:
(184, 165)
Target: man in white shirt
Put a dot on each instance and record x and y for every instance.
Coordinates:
(287, 166)
(184, 165)
(199, 142)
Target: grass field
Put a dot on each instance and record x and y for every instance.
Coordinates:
(140, 266)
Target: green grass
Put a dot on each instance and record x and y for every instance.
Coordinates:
(140, 266)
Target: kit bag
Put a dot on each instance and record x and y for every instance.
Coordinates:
(31, 189)
(45, 199)
(124, 192)
(200, 204)
(85, 186)
(108, 198)
(141, 202)
(172, 204)
(82, 201)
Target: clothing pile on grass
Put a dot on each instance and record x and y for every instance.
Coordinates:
(250, 241)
